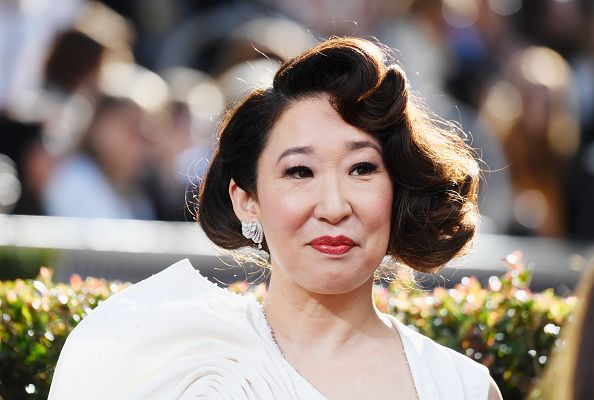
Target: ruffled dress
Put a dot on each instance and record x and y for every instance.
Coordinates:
(177, 336)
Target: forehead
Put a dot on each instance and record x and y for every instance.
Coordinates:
(314, 122)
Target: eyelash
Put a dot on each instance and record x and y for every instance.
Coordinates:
(292, 171)
(370, 167)
(301, 169)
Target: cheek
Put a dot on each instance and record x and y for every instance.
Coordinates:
(380, 209)
(375, 208)
(282, 213)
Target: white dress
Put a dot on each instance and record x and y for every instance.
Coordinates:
(176, 336)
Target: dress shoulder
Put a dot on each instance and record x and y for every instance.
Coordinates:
(174, 335)
(440, 372)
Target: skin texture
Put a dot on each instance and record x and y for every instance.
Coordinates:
(320, 176)
(331, 191)
(494, 393)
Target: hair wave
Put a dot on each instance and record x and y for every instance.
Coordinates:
(433, 171)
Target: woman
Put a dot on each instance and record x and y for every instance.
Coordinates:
(102, 178)
(328, 171)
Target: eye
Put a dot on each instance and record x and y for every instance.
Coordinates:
(299, 172)
(364, 168)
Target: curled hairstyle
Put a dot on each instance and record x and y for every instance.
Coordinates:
(433, 172)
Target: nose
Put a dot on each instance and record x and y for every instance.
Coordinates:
(332, 204)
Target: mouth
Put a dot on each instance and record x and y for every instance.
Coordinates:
(335, 245)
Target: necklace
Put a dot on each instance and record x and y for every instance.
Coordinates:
(282, 354)
(280, 351)
(273, 336)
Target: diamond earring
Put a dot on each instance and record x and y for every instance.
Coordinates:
(253, 230)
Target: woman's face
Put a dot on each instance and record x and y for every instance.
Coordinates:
(324, 199)
(119, 144)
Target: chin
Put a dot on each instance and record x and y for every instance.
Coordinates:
(337, 283)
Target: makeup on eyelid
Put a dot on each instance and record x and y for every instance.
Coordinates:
(321, 178)
(369, 166)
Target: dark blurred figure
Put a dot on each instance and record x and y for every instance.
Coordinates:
(581, 184)
(570, 375)
(568, 28)
(158, 21)
(70, 89)
(25, 166)
(169, 181)
(27, 29)
(556, 24)
(532, 108)
(181, 140)
(42, 128)
(463, 46)
(73, 63)
(102, 179)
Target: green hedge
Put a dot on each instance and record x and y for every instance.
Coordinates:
(504, 326)
(36, 316)
(22, 262)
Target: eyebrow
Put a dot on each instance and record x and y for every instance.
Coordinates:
(351, 146)
(362, 144)
(296, 150)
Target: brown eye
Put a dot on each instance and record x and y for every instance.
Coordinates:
(299, 172)
(364, 168)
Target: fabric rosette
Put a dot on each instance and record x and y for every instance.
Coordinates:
(175, 336)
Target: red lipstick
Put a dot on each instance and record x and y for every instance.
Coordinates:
(335, 245)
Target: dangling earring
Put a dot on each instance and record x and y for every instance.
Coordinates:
(253, 230)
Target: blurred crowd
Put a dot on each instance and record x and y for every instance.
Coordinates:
(108, 109)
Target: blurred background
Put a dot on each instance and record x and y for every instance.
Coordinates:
(108, 111)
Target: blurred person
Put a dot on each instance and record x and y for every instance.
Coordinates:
(332, 17)
(32, 164)
(451, 73)
(73, 64)
(172, 33)
(556, 24)
(570, 375)
(27, 29)
(567, 28)
(70, 88)
(581, 181)
(35, 32)
(101, 180)
(40, 126)
(420, 25)
(533, 109)
(181, 143)
(62, 97)
(167, 180)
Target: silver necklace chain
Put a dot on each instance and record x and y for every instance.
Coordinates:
(273, 336)
(280, 351)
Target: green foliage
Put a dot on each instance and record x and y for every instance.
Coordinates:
(20, 262)
(504, 326)
(36, 316)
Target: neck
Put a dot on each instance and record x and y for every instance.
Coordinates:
(301, 317)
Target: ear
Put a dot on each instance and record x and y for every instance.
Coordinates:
(245, 205)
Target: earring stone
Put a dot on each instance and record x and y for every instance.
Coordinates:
(253, 230)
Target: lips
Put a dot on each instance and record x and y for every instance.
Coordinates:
(335, 245)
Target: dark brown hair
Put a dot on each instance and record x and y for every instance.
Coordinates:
(73, 56)
(434, 175)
